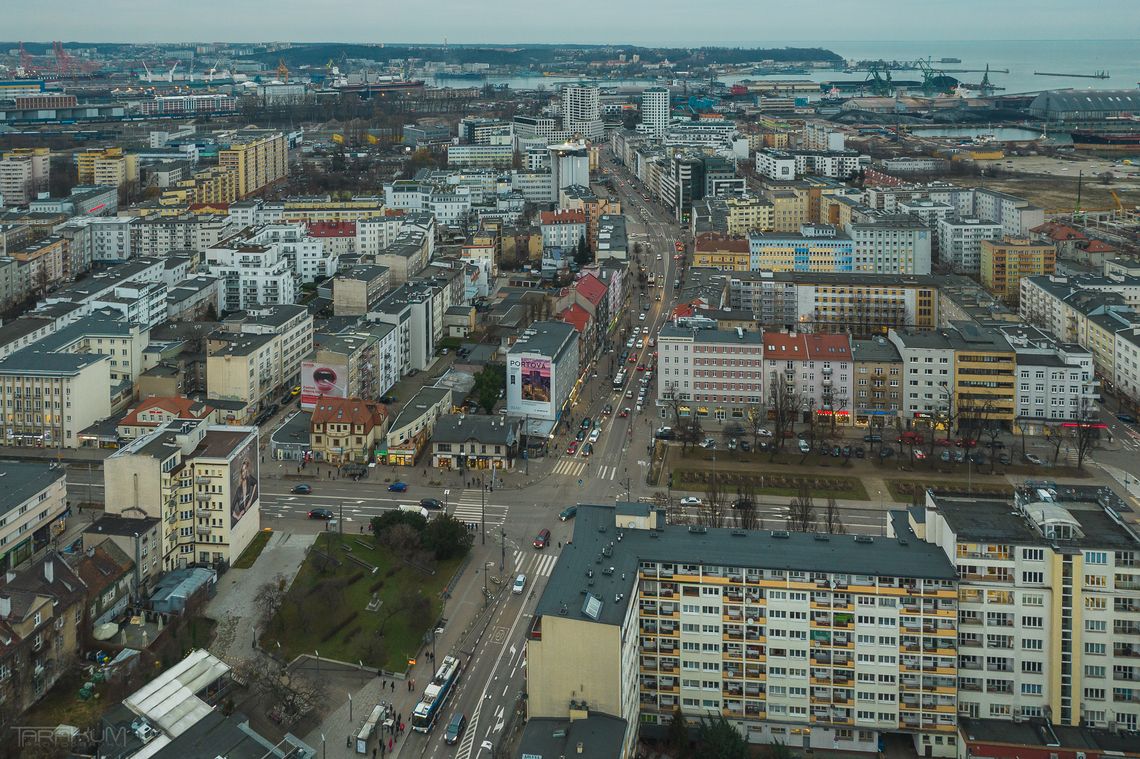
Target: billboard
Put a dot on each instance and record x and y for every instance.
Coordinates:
(321, 378)
(243, 480)
(535, 384)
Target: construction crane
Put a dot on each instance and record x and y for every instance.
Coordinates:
(1116, 198)
(170, 74)
(282, 71)
(62, 59)
(879, 79)
(149, 76)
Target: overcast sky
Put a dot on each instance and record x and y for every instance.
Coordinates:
(678, 22)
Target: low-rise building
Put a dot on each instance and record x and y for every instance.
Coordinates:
(470, 441)
(156, 412)
(346, 430)
(411, 429)
(138, 537)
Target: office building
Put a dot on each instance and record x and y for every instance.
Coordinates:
(891, 244)
(818, 247)
(200, 480)
(1004, 262)
(569, 166)
(1049, 604)
(655, 111)
(824, 642)
(33, 502)
(542, 372)
(581, 114)
(708, 372)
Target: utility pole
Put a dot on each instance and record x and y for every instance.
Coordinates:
(503, 541)
(483, 507)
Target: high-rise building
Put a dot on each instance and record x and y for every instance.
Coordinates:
(581, 113)
(569, 166)
(257, 158)
(655, 111)
(1004, 262)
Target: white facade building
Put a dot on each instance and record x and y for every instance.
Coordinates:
(1055, 381)
(928, 373)
(542, 369)
(253, 274)
(960, 241)
(654, 111)
(715, 373)
(897, 244)
(581, 114)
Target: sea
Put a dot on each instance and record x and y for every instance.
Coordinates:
(1120, 58)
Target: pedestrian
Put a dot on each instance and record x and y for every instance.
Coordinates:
(401, 728)
(389, 744)
(348, 741)
(399, 718)
(373, 753)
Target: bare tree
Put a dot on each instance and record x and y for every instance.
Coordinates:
(270, 596)
(991, 434)
(292, 691)
(1086, 434)
(690, 432)
(801, 510)
(745, 507)
(831, 519)
(712, 512)
(755, 418)
(784, 404)
(1056, 439)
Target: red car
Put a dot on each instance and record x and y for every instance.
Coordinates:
(624, 413)
(572, 448)
(633, 359)
(641, 367)
(966, 443)
(943, 441)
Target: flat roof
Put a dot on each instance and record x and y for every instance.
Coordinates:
(20, 481)
(598, 736)
(113, 524)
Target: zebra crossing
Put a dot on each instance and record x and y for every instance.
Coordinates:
(607, 472)
(534, 565)
(570, 467)
(468, 508)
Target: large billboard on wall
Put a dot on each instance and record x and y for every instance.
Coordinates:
(535, 384)
(320, 378)
(243, 480)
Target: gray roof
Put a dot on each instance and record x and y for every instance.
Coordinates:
(600, 736)
(20, 481)
(32, 361)
(827, 278)
(1087, 100)
(975, 520)
(415, 406)
(882, 351)
(718, 336)
(460, 428)
(614, 576)
(548, 338)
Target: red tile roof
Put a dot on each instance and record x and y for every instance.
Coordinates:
(1099, 246)
(567, 216)
(576, 316)
(176, 406)
(1057, 231)
(807, 347)
(332, 228)
(591, 288)
(350, 411)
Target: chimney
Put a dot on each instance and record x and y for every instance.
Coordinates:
(9, 576)
(5, 606)
(49, 571)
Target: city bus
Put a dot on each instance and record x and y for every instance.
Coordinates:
(619, 380)
(435, 695)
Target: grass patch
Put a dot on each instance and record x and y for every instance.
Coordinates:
(325, 610)
(692, 477)
(904, 491)
(62, 706)
(253, 550)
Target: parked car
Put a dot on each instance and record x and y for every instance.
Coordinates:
(542, 540)
(398, 487)
(454, 729)
(295, 391)
(708, 443)
(919, 454)
(1006, 459)
(431, 503)
(859, 452)
(873, 438)
(886, 451)
(568, 513)
(624, 413)
(945, 456)
(387, 399)
(664, 433)
(978, 458)
(805, 447)
(764, 432)
(966, 443)
(732, 444)
(320, 514)
(1034, 459)
(691, 500)
(302, 489)
(520, 584)
(745, 446)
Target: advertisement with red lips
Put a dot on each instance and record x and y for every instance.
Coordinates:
(322, 379)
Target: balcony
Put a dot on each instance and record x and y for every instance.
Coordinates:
(202, 497)
(1126, 650)
(206, 513)
(202, 530)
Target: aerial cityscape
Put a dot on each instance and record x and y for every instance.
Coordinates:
(479, 385)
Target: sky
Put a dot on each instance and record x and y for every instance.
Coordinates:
(641, 22)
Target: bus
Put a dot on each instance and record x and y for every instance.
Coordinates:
(435, 695)
(619, 380)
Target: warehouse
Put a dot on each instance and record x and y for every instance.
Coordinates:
(1084, 105)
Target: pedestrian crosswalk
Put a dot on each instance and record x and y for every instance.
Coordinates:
(607, 472)
(534, 565)
(468, 508)
(570, 467)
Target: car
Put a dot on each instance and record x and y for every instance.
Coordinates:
(572, 448)
(944, 442)
(641, 367)
(919, 454)
(745, 446)
(580, 436)
(587, 449)
(664, 433)
(640, 404)
(945, 456)
(805, 447)
(567, 513)
(542, 540)
(966, 443)
(658, 256)
(1126, 418)
(978, 458)
(455, 728)
(645, 307)
(996, 445)
(886, 451)
(708, 443)
(444, 351)
(431, 503)
(320, 514)
(1034, 459)
(398, 487)
(846, 451)
(608, 409)
(586, 423)
(641, 316)
(387, 399)
(302, 489)
(632, 359)
(623, 413)
(910, 438)
(595, 434)
(873, 438)
(658, 297)
(859, 452)
(1006, 459)
(520, 583)
(836, 451)
(960, 456)
(691, 500)
(764, 432)
(295, 391)
(732, 444)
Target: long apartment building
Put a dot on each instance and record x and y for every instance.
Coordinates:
(1048, 604)
(815, 641)
(200, 481)
(708, 372)
(254, 271)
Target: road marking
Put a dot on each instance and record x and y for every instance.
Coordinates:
(569, 467)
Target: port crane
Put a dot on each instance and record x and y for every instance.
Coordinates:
(282, 71)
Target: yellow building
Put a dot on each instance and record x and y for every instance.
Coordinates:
(720, 252)
(985, 374)
(1006, 261)
(107, 166)
(258, 158)
(344, 430)
(748, 213)
(789, 210)
(212, 185)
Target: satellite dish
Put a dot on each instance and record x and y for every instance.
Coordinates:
(631, 525)
(750, 621)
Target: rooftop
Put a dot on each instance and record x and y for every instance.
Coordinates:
(546, 338)
(21, 481)
(599, 736)
(458, 428)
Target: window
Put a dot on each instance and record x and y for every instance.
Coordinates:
(1031, 689)
(1033, 578)
(1094, 649)
(1096, 557)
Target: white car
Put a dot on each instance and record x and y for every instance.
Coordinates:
(595, 434)
(691, 500)
(658, 256)
(520, 583)
(764, 432)
(1034, 459)
(641, 316)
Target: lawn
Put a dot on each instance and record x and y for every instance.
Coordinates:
(902, 491)
(253, 550)
(326, 611)
(694, 476)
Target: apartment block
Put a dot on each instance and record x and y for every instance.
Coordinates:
(200, 480)
(720, 251)
(711, 373)
(488, 156)
(891, 244)
(877, 387)
(1004, 262)
(815, 368)
(817, 247)
(985, 371)
(960, 241)
(344, 430)
(927, 375)
(33, 502)
(107, 166)
(812, 640)
(254, 273)
(24, 173)
(1056, 382)
(256, 157)
(1048, 604)
(366, 362)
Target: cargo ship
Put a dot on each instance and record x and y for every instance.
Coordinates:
(1106, 140)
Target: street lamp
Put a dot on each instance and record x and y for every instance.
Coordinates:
(483, 509)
